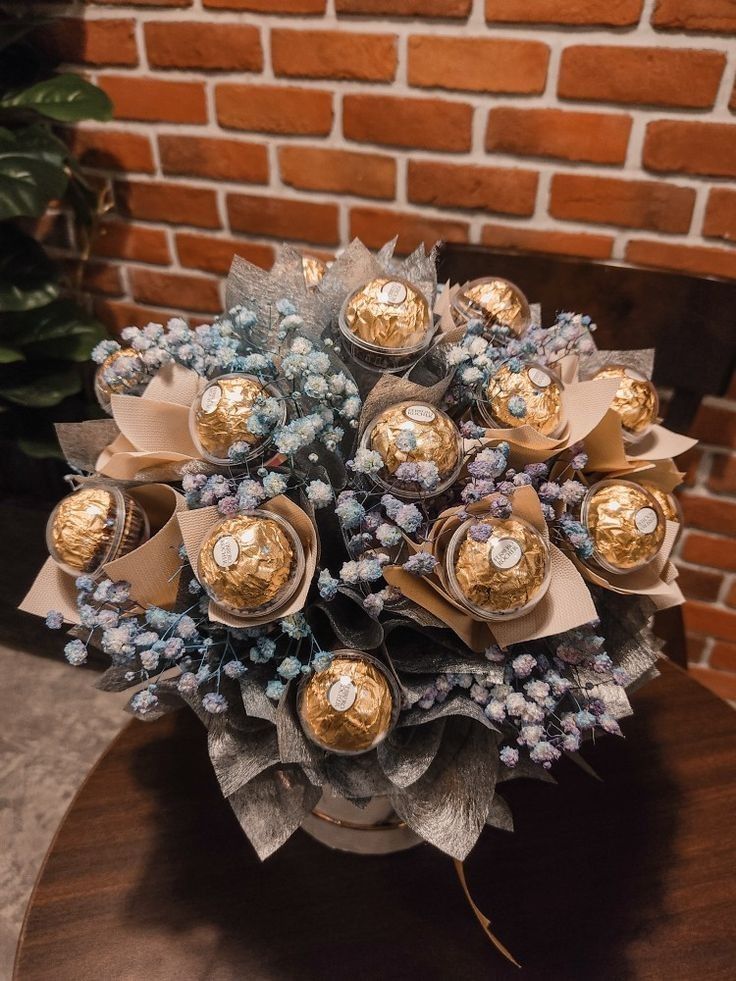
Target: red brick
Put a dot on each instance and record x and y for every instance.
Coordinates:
(732, 100)
(731, 393)
(174, 203)
(731, 597)
(215, 255)
(430, 124)
(91, 42)
(710, 513)
(695, 648)
(155, 100)
(633, 204)
(375, 226)
(516, 239)
(478, 64)
(100, 277)
(187, 292)
(368, 175)
(720, 214)
(271, 6)
(588, 13)
(141, 3)
(306, 221)
(440, 9)
(715, 424)
(274, 109)
(676, 146)
(118, 314)
(689, 462)
(52, 229)
(704, 618)
(112, 150)
(700, 584)
(722, 479)
(723, 657)
(191, 44)
(650, 76)
(120, 240)
(695, 15)
(230, 160)
(590, 136)
(718, 682)
(695, 259)
(507, 190)
(333, 54)
(709, 550)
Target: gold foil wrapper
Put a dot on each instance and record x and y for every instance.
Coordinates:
(435, 433)
(105, 388)
(636, 400)
(83, 527)
(388, 313)
(245, 562)
(506, 573)
(221, 417)
(626, 524)
(314, 270)
(349, 706)
(543, 402)
(667, 502)
(497, 303)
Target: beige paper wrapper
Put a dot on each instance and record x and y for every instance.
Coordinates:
(154, 428)
(607, 451)
(196, 524)
(566, 604)
(663, 473)
(152, 569)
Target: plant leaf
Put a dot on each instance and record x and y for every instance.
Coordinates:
(10, 354)
(42, 387)
(32, 173)
(61, 329)
(27, 275)
(64, 98)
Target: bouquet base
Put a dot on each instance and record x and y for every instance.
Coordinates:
(371, 830)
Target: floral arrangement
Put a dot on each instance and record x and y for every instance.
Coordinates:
(394, 543)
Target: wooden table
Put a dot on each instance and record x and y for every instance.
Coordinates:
(151, 878)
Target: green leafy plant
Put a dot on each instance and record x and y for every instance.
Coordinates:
(46, 329)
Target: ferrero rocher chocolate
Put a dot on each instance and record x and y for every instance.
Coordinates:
(636, 400)
(92, 526)
(388, 313)
(626, 525)
(119, 382)
(314, 270)
(502, 574)
(248, 563)
(524, 395)
(667, 502)
(350, 706)
(416, 432)
(221, 413)
(496, 302)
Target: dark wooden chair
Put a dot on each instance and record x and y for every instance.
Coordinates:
(690, 322)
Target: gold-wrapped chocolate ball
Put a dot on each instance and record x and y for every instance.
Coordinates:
(668, 502)
(415, 432)
(93, 526)
(524, 395)
(625, 523)
(636, 400)
(498, 568)
(219, 418)
(314, 270)
(350, 706)
(494, 301)
(121, 373)
(251, 563)
(388, 313)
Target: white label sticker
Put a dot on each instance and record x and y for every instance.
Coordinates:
(226, 551)
(211, 398)
(392, 292)
(646, 520)
(539, 378)
(505, 553)
(420, 413)
(342, 694)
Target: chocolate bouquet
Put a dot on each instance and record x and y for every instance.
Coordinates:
(394, 543)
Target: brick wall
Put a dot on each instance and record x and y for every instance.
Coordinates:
(596, 128)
